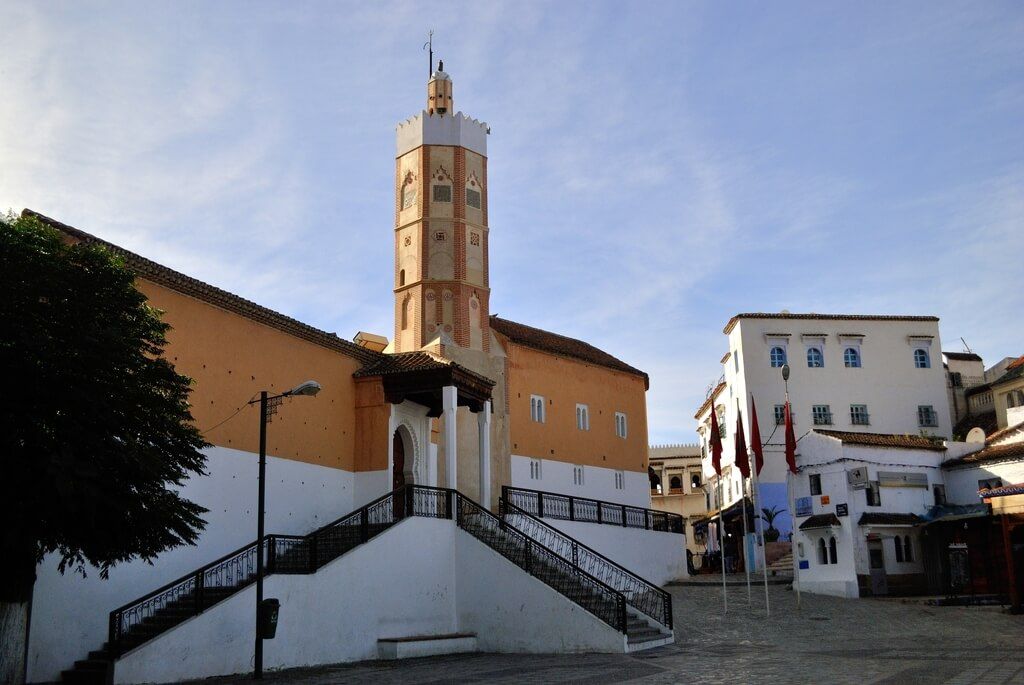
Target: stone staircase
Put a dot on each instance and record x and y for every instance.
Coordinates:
(782, 566)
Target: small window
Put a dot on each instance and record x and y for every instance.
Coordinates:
(582, 417)
(926, 416)
(620, 424)
(780, 414)
(859, 415)
(956, 379)
(815, 479)
(851, 357)
(721, 423)
(442, 193)
(822, 552)
(537, 408)
(473, 198)
(778, 356)
(695, 481)
(535, 472)
(401, 277)
(899, 549)
(873, 494)
(833, 551)
(939, 493)
(815, 359)
(577, 475)
(822, 415)
(675, 484)
(620, 480)
(921, 360)
(908, 551)
(736, 360)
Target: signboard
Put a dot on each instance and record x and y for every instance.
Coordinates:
(805, 564)
(824, 500)
(901, 479)
(804, 506)
(858, 477)
(842, 510)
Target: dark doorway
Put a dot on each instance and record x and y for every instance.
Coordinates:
(398, 474)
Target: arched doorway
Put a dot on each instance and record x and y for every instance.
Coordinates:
(398, 465)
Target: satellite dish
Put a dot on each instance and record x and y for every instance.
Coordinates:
(976, 435)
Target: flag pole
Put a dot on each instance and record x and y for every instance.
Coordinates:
(743, 503)
(721, 541)
(760, 534)
(790, 467)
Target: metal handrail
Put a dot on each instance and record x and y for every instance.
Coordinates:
(557, 505)
(640, 593)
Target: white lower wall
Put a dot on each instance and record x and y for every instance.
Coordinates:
(399, 584)
(511, 611)
(598, 482)
(654, 556)
(70, 613)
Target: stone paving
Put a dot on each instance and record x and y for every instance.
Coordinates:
(829, 640)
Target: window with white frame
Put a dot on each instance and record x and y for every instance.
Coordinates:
(833, 551)
(926, 416)
(780, 414)
(777, 355)
(851, 358)
(822, 415)
(535, 469)
(921, 359)
(582, 417)
(859, 415)
(815, 357)
(620, 424)
(815, 482)
(577, 475)
(620, 480)
(736, 361)
(537, 408)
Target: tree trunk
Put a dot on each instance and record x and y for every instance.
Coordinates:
(17, 578)
(13, 641)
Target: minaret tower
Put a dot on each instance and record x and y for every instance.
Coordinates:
(441, 285)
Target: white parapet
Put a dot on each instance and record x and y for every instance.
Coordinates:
(441, 129)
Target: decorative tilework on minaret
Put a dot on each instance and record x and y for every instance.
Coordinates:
(441, 289)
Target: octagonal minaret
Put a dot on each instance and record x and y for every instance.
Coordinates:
(441, 284)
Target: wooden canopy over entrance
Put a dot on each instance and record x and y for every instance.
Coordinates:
(420, 378)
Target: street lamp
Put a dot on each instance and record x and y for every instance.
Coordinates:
(268, 407)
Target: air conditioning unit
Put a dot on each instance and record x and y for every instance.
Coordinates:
(857, 477)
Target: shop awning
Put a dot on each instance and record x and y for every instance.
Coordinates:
(888, 519)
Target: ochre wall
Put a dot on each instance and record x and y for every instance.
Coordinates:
(231, 358)
(564, 382)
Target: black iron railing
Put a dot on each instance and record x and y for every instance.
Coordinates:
(571, 508)
(154, 613)
(642, 595)
(542, 563)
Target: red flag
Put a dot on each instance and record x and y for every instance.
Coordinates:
(755, 438)
(790, 441)
(741, 458)
(716, 442)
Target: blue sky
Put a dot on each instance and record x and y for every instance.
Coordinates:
(654, 168)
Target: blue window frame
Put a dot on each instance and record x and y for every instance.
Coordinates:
(921, 359)
(851, 357)
(815, 359)
(778, 356)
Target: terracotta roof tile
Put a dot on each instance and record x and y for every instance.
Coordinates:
(177, 281)
(882, 519)
(1013, 371)
(1008, 452)
(711, 398)
(914, 442)
(821, 521)
(547, 341)
(402, 362)
(1000, 434)
(824, 317)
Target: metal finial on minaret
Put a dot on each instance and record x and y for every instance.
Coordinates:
(429, 46)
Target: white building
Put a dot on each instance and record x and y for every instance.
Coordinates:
(853, 373)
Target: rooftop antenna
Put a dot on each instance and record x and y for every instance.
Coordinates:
(429, 46)
(967, 347)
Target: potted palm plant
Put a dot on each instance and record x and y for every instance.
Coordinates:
(768, 516)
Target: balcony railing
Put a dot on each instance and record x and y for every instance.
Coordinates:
(571, 508)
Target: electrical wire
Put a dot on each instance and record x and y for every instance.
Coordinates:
(236, 413)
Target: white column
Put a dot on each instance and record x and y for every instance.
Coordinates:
(483, 423)
(450, 404)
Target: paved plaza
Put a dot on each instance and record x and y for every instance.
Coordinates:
(829, 640)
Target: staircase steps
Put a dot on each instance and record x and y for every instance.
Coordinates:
(783, 564)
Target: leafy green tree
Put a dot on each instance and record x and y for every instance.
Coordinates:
(95, 426)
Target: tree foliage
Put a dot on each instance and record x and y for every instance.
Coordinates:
(95, 426)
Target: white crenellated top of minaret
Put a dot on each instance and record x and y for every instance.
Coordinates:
(439, 124)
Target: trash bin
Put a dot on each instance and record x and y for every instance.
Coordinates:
(269, 609)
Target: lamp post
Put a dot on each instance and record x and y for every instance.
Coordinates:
(789, 496)
(268, 406)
